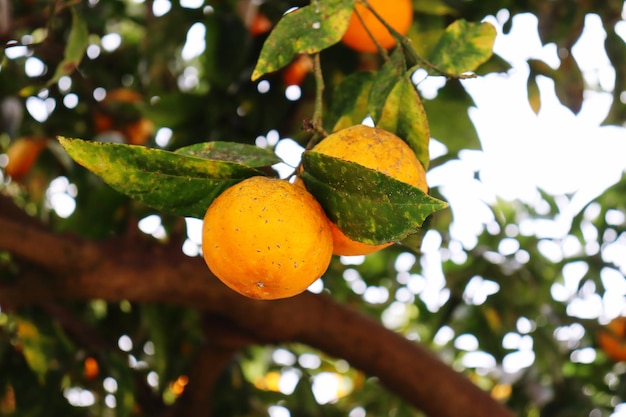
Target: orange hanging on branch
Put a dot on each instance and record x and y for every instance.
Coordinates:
(397, 13)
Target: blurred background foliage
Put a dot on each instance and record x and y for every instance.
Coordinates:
(167, 74)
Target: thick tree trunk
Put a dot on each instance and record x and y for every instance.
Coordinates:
(140, 271)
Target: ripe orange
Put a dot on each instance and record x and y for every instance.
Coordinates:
(266, 238)
(259, 25)
(295, 72)
(138, 132)
(22, 154)
(118, 113)
(397, 13)
(612, 339)
(375, 149)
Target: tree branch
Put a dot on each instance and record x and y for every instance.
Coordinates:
(126, 270)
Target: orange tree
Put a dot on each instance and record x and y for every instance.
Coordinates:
(101, 316)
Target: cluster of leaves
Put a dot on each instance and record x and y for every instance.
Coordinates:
(184, 183)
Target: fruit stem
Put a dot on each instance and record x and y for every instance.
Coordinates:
(407, 45)
(317, 125)
(381, 50)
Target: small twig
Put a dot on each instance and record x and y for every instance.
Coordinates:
(381, 50)
(316, 125)
(408, 47)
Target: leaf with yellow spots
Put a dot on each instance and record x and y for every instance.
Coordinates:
(172, 182)
(404, 115)
(368, 206)
(307, 30)
(34, 346)
(463, 47)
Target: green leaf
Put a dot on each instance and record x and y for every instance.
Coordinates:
(386, 78)
(434, 7)
(350, 100)
(174, 183)
(404, 114)
(36, 347)
(449, 120)
(76, 45)
(366, 205)
(463, 47)
(307, 30)
(426, 31)
(534, 96)
(241, 153)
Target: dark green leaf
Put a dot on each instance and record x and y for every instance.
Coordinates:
(366, 205)
(241, 153)
(463, 47)
(426, 31)
(388, 76)
(404, 115)
(174, 183)
(307, 30)
(75, 49)
(350, 100)
(569, 84)
(494, 64)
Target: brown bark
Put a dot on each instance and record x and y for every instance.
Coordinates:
(141, 272)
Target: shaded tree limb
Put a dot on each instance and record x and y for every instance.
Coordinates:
(124, 269)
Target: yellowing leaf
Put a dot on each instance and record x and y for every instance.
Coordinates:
(307, 30)
(175, 183)
(463, 47)
(34, 347)
(404, 115)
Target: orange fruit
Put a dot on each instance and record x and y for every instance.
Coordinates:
(266, 238)
(91, 368)
(612, 339)
(138, 132)
(118, 112)
(397, 13)
(22, 154)
(259, 25)
(295, 72)
(375, 149)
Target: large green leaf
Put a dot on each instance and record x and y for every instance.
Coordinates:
(308, 30)
(403, 114)
(241, 153)
(366, 205)
(463, 47)
(349, 102)
(175, 183)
